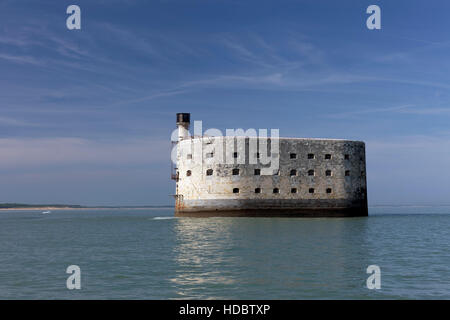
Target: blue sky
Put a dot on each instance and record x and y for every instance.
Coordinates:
(86, 115)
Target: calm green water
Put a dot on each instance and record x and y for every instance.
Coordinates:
(148, 254)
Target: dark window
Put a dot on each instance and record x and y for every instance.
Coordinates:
(363, 173)
(293, 156)
(294, 190)
(257, 172)
(276, 190)
(347, 157)
(210, 155)
(235, 172)
(293, 172)
(235, 190)
(328, 157)
(310, 155)
(258, 190)
(328, 173)
(329, 190)
(347, 173)
(310, 172)
(257, 155)
(311, 190)
(188, 173)
(209, 172)
(189, 156)
(235, 155)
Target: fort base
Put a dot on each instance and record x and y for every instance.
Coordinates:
(282, 213)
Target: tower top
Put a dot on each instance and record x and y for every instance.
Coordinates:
(183, 118)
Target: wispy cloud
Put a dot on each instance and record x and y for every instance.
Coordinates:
(253, 49)
(30, 152)
(21, 59)
(427, 111)
(371, 110)
(130, 40)
(402, 109)
(257, 81)
(68, 49)
(18, 41)
(13, 122)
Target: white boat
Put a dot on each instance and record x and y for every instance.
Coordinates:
(45, 212)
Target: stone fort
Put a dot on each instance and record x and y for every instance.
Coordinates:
(313, 177)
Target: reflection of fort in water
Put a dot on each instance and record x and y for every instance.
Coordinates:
(224, 254)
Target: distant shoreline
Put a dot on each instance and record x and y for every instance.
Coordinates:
(24, 207)
(47, 208)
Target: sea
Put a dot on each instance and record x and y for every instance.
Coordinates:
(150, 254)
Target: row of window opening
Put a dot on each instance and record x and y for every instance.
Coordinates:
(257, 172)
(293, 190)
(291, 155)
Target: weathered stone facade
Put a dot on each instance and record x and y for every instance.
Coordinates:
(316, 177)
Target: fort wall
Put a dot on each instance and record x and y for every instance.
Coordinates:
(315, 177)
